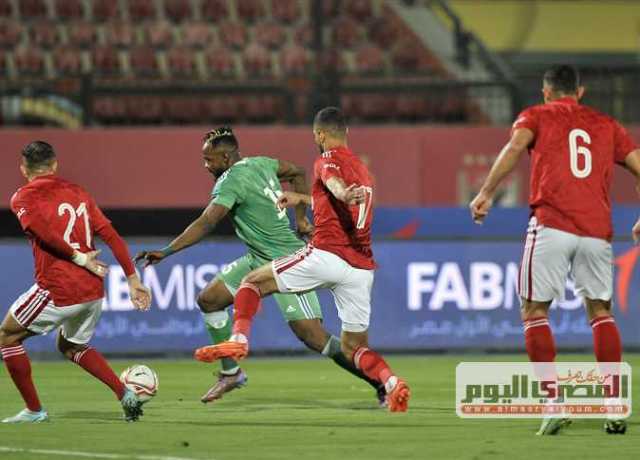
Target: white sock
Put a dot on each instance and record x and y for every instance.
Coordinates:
(216, 319)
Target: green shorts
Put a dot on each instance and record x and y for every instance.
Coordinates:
(293, 306)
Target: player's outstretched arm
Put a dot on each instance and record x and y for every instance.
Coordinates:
(297, 177)
(193, 234)
(504, 164)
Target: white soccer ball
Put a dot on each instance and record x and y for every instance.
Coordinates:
(142, 380)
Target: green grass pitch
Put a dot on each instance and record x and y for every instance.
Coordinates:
(301, 409)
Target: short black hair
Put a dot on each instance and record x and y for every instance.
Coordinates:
(563, 79)
(331, 119)
(222, 136)
(38, 154)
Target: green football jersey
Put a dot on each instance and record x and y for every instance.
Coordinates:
(250, 190)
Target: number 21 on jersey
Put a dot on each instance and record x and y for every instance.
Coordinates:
(575, 152)
(81, 211)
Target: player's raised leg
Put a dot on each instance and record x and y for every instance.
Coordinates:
(15, 358)
(213, 301)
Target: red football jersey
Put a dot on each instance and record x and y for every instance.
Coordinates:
(341, 229)
(53, 211)
(572, 158)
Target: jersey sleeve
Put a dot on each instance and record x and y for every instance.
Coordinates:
(623, 143)
(326, 167)
(267, 163)
(228, 191)
(526, 119)
(97, 218)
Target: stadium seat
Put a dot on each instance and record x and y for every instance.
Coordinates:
(197, 34)
(32, 9)
(295, 60)
(221, 109)
(6, 8)
(412, 108)
(257, 61)
(220, 63)
(250, 10)
(262, 109)
(10, 32)
(369, 60)
(109, 109)
(106, 61)
(359, 9)
(104, 10)
(119, 33)
(182, 62)
(44, 34)
(140, 10)
(383, 31)
(214, 10)
(376, 107)
(69, 9)
(287, 11)
(270, 34)
(29, 62)
(233, 34)
(143, 62)
(346, 32)
(178, 10)
(183, 109)
(3, 64)
(408, 57)
(82, 34)
(67, 61)
(303, 34)
(159, 34)
(145, 109)
(331, 8)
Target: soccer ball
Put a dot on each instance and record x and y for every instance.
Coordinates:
(142, 380)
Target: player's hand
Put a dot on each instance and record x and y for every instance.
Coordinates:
(355, 194)
(480, 206)
(95, 266)
(149, 258)
(289, 200)
(635, 232)
(139, 294)
(304, 227)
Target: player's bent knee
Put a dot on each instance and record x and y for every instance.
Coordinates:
(208, 303)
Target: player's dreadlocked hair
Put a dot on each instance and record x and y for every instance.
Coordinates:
(222, 136)
(332, 120)
(563, 79)
(38, 154)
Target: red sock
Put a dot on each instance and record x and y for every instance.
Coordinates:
(245, 306)
(19, 367)
(94, 363)
(606, 339)
(372, 364)
(539, 340)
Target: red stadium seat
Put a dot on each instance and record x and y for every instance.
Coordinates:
(182, 62)
(376, 107)
(346, 32)
(29, 62)
(384, 32)
(409, 57)
(270, 34)
(183, 109)
(286, 10)
(159, 34)
(31, 9)
(303, 34)
(295, 60)
(10, 33)
(104, 10)
(220, 63)
(331, 8)
(119, 33)
(67, 62)
(250, 10)
(257, 61)
(69, 9)
(233, 34)
(214, 10)
(370, 60)
(142, 9)
(109, 109)
(3, 64)
(82, 34)
(178, 10)
(334, 59)
(106, 61)
(412, 108)
(197, 34)
(359, 9)
(44, 34)
(143, 62)
(221, 109)
(145, 109)
(6, 8)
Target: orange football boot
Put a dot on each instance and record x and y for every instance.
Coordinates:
(211, 353)
(398, 399)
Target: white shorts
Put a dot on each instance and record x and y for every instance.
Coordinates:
(312, 268)
(550, 255)
(35, 311)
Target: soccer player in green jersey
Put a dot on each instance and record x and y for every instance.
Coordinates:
(248, 190)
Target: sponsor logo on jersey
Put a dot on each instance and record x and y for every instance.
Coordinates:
(21, 212)
(331, 165)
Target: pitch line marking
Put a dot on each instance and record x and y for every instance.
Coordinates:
(71, 453)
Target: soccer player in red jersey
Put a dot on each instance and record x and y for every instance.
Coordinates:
(573, 149)
(60, 220)
(339, 258)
